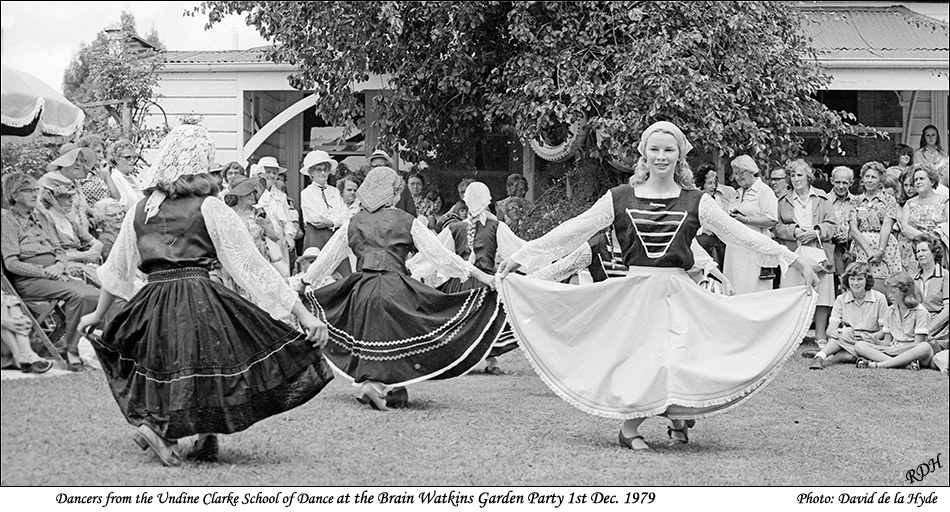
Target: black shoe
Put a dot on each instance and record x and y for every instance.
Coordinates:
(397, 398)
(205, 449)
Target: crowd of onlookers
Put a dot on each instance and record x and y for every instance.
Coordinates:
(877, 236)
(59, 228)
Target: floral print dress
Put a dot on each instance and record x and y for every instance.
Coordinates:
(870, 213)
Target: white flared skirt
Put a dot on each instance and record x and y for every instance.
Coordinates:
(654, 342)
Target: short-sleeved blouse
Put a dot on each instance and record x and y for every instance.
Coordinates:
(871, 212)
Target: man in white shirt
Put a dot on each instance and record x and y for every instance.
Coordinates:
(322, 205)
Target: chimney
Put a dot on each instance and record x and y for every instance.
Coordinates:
(234, 39)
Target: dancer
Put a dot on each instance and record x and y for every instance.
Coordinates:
(645, 345)
(388, 330)
(186, 355)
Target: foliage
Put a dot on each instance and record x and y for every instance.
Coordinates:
(736, 76)
(110, 70)
(30, 158)
(588, 179)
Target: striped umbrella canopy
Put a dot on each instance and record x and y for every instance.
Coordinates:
(31, 108)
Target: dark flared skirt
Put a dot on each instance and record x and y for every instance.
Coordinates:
(506, 341)
(188, 356)
(390, 328)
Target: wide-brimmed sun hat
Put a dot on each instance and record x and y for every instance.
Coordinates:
(269, 161)
(68, 155)
(318, 157)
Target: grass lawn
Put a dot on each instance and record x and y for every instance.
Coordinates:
(840, 426)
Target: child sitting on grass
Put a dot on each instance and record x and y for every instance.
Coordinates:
(857, 315)
(906, 326)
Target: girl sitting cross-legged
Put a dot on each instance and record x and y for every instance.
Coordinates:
(906, 326)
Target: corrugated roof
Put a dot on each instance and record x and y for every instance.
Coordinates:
(252, 55)
(869, 32)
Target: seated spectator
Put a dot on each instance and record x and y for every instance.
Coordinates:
(453, 215)
(74, 164)
(931, 282)
(514, 212)
(108, 215)
(906, 327)
(83, 251)
(36, 262)
(124, 157)
(15, 330)
(858, 315)
(517, 187)
(436, 199)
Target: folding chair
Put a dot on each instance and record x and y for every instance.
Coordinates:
(40, 313)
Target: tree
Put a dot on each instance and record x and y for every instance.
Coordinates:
(737, 76)
(117, 75)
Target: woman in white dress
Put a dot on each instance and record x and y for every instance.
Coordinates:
(644, 345)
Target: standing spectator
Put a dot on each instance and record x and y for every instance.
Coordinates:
(905, 330)
(858, 315)
(707, 180)
(872, 219)
(930, 151)
(932, 284)
(124, 158)
(98, 184)
(348, 186)
(806, 218)
(517, 187)
(757, 208)
(274, 202)
(903, 159)
(841, 179)
(425, 208)
(924, 213)
(778, 180)
(242, 197)
(36, 262)
(380, 158)
(323, 208)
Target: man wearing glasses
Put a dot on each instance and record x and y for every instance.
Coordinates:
(778, 180)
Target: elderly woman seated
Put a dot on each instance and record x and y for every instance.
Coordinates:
(83, 252)
(15, 330)
(107, 215)
(36, 262)
(857, 315)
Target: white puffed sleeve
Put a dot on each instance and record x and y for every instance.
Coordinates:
(565, 267)
(244, 262)
(333, 253)
(768, 253)
(568, 236)
(508, 244)
(118, 273)
(421, 269)
(445, 261)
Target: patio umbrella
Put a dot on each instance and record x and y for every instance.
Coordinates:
(30, 107)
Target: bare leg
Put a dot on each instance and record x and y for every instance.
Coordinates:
(630, 429)
(920, 352)
(821, 324)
